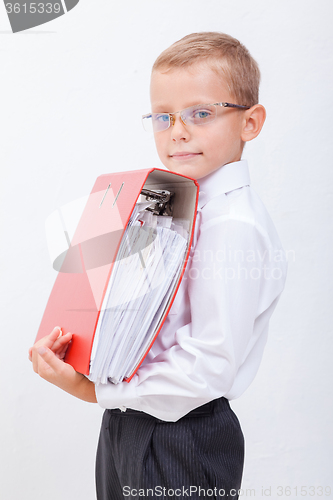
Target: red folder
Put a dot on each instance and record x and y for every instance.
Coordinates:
(77, 296)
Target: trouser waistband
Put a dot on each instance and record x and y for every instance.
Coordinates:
(201, 411)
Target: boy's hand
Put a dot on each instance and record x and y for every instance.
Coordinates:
(47, 359)
(55, 341)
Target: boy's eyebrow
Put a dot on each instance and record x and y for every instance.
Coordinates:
(161, 108)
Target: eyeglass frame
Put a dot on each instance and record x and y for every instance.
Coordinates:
(172, 115)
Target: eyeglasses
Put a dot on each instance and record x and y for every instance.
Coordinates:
(200, 114)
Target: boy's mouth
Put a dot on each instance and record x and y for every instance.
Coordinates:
(184, 155)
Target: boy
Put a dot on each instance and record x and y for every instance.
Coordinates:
(170, 432)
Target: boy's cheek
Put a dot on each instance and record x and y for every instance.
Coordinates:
(165, 158)
(158, 140)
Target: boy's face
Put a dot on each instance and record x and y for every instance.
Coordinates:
(196, 150)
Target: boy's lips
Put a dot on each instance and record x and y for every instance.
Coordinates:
(184, 155)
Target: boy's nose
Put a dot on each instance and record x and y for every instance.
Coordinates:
(179, 130)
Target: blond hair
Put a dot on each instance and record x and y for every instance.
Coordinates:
(225, 55)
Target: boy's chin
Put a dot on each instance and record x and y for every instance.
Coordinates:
(186, 170)
(193, 171)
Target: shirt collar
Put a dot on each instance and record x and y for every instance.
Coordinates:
(227, 178)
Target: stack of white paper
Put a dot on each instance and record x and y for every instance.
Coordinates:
(149, 260)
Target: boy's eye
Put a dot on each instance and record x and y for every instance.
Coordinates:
(160, 121)
(201, 115)
(163, 118)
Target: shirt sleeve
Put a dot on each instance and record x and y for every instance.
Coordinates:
(233, 285)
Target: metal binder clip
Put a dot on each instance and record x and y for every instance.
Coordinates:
(163, 201)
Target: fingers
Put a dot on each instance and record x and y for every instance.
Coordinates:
(50, 359)
(47, 341)
(55, 371)
(55, 334)
(52, 369)
(61, 344)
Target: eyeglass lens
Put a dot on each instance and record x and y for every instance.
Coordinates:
(195, 115)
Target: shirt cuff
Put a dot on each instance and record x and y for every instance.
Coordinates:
(122, 395)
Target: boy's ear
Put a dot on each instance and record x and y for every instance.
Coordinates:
(254, 119)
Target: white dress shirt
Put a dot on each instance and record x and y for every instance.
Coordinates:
(213, 338)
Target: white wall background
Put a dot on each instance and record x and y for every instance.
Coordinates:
(68, 89)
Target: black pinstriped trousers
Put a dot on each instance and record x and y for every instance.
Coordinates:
(199, 456)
